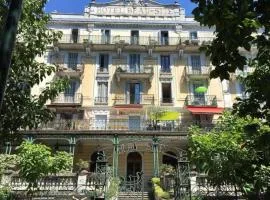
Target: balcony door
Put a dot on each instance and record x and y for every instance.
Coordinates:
(165, 64)
(133, 93)
(134, 63)
(74, 35)
(101, 122)
(199, 98)
(105, 36)
(195, 61)
(135, 37)
(73, 60)
(103, 62)
(166, 93)
(164, 37)
(134, 123)
(69, 94)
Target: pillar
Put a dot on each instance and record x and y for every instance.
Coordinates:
(155, 156)
(72, 144)
(115, 155)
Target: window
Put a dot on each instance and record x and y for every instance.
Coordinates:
(103, 62)
(74, 35)
(195, 62)
(102, 92)
(165, 64)
(134, 63)
(166, 93)
(69, 94)
(72, 60)
(193, 35)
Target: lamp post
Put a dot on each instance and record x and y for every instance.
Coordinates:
(7, 43)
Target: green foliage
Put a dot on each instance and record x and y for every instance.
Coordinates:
(113, 188)
(37, 161)
(235, 152)
(159, 192)
(5, 193)
(20, 108)
(155, 180)
(240, 27)
(81, 164)
(166, 169)
(7, 162)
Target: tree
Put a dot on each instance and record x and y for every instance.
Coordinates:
(235, 152)
(21, 109)
(36, 161)
(241, 27)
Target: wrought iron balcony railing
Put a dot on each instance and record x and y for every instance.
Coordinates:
(126, 124)
(165, 70)
(166, 100)
(201, 70)
(201, 100)
(63, 98)
(143, 99)
(101, 100)
(142, 69)
(133, 40)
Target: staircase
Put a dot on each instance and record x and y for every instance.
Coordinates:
(133, 196)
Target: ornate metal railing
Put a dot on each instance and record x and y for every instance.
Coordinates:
(134, 40)
(201, 100)
(202, 70)
(142, 69)
(63, 98)
(166, 100)
(143, 99)
(112, 124)
(101, 100)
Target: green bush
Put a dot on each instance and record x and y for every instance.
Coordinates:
(155, 180)
(5, 193)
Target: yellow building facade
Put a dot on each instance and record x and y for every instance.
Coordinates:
(135, 70)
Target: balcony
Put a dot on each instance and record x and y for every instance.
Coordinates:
(141, 72)
(67, 99)
(101, 101)
(202, 72)
(99, 42)
(201, 100)
(70, 71)
(142, 99)
(103, 72)
(196, 41)
(124, 124)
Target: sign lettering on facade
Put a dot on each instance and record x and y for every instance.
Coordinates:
(134, 11)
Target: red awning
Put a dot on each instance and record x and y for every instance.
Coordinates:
(205, 110)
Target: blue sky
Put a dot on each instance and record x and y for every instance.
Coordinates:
(77, 6)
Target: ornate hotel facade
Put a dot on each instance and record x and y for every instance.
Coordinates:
(135, 67)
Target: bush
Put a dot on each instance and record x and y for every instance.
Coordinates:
(5, 193)
(156, 180)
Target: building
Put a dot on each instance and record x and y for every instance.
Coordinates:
(136, 69)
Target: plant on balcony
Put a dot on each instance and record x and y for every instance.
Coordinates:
(119, 69)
